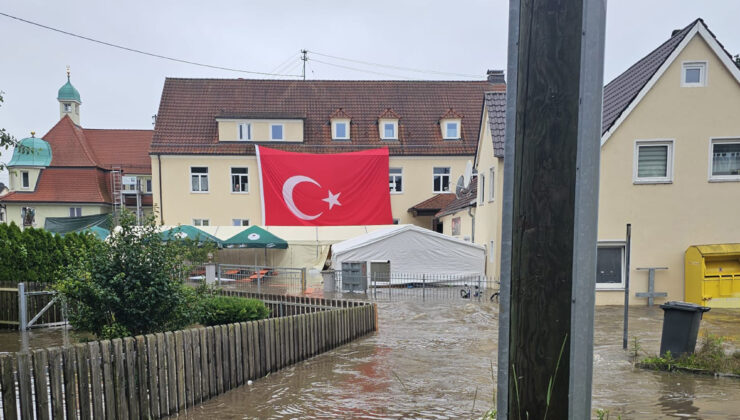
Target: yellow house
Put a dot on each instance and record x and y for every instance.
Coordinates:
(204, 168)
(74, 172)
(670, 166)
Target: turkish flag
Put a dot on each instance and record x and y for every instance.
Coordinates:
(341, 189)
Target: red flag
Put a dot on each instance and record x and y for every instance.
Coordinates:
(341, 189)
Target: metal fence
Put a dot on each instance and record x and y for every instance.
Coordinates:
(252, 278)
(413, 286)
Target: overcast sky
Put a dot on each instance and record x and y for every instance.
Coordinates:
(121, 89)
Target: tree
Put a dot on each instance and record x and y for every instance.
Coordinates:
(6, 140)
(131, 285)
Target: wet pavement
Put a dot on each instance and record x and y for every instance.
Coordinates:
(434, 361)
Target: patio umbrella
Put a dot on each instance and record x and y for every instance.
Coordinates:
(188, 232)
(256, 237)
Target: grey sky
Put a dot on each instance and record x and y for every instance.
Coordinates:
(120, 89)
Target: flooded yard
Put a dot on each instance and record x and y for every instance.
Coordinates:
(434, 361)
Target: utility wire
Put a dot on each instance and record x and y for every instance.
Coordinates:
(108, 44)
(281, 67)
(388, 66)
(356, 69)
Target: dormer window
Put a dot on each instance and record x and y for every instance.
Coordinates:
(388, 129)
(276, 132)
(245, 131)
(450, 129)
(694, 74)
(340, 129)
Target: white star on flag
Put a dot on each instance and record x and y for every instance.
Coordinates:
(332, 199)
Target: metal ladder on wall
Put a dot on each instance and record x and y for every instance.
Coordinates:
(116, 186)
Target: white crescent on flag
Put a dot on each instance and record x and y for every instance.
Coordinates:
(288, 187)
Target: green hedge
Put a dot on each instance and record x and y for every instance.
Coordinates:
(219, 310)
(37, 255)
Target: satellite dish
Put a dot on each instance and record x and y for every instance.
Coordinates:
(468, 173)
(460, 187)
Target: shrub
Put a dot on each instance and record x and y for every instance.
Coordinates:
(132, 285)
(219, 310)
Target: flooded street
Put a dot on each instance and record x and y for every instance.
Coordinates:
(434, 361)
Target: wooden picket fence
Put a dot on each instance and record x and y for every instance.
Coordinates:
(157, 375)
(9, 310)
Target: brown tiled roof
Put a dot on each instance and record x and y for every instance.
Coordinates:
(451, 113)
(496, 107)
(66, 185)
(435, 203)
(620, 92)
(339, 113)
(127, 149)
(465, 200)
(186, 121)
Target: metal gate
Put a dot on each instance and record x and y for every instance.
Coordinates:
(28, 305)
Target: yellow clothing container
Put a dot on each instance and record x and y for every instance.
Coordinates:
(712, 275)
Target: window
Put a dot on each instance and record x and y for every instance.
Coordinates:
(129, 183)
(198, 179)
(340, 130)
(725, 160)
(441, 180)
(456, 226)
(75, 212)
(25, 181)
(491, 251)
(452, 130)
(694, 74)
(610, 266)
(240, 222)
(245, 131)
(240, 180)
(396, 221)
(67, 107)
(491, 185)
(149, 185)
(28, 216)
(201, 222)
(276, 132)
(482, 188)
(395, 180)
(653, 162)
(388, 130)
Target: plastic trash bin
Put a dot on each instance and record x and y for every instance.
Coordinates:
(680, 327)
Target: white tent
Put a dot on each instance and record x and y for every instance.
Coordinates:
(414, 250)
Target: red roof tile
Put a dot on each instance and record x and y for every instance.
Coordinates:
(467, 198)
(186, 121)
(128, 149)
(436, 202)
(66, 185)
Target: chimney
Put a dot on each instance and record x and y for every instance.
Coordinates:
(496, 76)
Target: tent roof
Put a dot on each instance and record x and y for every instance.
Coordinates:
(189, 232)
(75, 224)
(379, 235)
(256, 237)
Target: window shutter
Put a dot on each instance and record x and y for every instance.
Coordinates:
(652, 162)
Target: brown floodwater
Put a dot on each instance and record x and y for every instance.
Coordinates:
(434, 361)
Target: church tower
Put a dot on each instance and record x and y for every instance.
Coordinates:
(69, 101)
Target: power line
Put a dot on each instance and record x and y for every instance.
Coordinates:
(360, 70)
(108, 44)
(388, 66)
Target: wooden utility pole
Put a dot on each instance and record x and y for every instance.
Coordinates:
(548, 269)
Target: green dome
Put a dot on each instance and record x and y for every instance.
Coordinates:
(31, 151)
(68, 93)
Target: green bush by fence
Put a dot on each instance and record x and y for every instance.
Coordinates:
(37, 255)
(219, 310)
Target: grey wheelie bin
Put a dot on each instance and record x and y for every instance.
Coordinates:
(680, 327)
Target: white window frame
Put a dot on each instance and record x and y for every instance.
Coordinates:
(244, 131)
(334, 124)
(148, 185)
(481, 188)
(231, 179)
(75, 212)
(445, 127)
(402, 182)
(492, 251)
(720, 178)
(668, 179)
(28, 177)
(201, 222)
(491, 184)
(434, 176)
(703, 73)
(282, 131)
(200, 180)
(239, 222)
(612, 286)
(382, 125)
